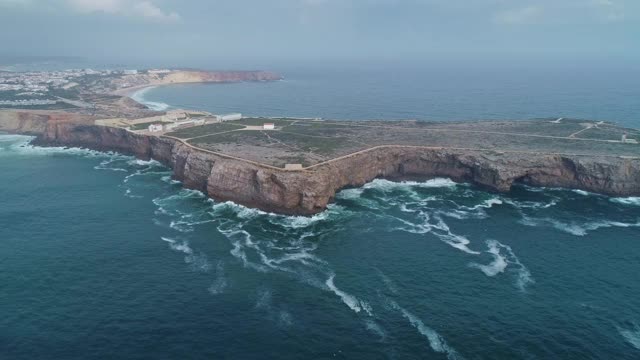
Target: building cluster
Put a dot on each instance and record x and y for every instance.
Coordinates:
(174, 120)
(33, 88)
(31, 102)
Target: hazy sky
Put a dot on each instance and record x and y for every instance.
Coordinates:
(306, 30)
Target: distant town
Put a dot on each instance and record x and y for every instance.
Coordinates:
(43, 88)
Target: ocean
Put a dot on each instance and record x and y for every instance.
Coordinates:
(105, 256)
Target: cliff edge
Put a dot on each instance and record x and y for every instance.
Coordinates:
(308, 191)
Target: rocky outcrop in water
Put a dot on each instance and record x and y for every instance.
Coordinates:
(309, 191)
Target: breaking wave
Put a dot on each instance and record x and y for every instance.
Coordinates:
(139, 96)
(627, 201)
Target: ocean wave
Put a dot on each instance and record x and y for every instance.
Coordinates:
(530, 204)
(21, 145)
(436, 341)
(139, 96)
(633, 200)
(387, 185)
(351, 301)
(632, 336)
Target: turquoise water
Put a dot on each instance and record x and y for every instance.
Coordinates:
(105, 256)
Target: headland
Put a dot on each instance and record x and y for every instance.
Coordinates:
(296, 166)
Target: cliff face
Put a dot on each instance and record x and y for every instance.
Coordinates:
(32, 122)
(309, 191)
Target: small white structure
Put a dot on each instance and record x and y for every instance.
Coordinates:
(198, 122)
(268, 126)
(155, 127)
(293, 167)
(130, 72)
(229, 117)
(159, 71)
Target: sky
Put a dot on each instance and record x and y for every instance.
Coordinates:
(263, 31)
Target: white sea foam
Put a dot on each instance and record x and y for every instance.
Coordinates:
(498, 264)
(388, 282)
(386, 185)
(351, 301)
(350, 194)
(582, 192)
(437, 342)
(220, 283)
(375, 328)
(139, 96)
(632, 336)
(21, 146)
(574, 227)
(503, 256)
(627, 200)
(198, 262)
(531, 204)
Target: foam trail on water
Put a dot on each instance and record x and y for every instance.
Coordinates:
(351, 301)
(139, 96)
(632, 336)
(502, 261)
(498, 264)
(375, 328)
(388, 282)
(574, 227)
(437, 342)
(198, 262)
(220, 283)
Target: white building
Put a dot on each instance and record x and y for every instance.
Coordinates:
(130, 72)
(155, 127)
(159, 71)
(268, 126)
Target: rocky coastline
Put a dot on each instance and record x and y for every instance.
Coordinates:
(309, 191)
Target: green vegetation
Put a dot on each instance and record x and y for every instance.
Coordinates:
(144, 126)
(195, 131)
(262, 121)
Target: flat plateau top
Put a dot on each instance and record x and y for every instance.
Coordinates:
(310, 142)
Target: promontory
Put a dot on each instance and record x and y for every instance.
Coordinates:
(296, 166)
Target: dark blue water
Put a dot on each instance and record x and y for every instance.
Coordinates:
(104, 256)
(429, 94)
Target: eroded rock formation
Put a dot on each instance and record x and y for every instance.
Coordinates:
(309, 191)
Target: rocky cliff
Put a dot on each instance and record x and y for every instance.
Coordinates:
(33, 122)
(309, 191)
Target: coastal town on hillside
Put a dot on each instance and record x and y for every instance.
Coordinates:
(46, 89)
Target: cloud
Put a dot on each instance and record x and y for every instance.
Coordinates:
(525, 15)
(133, 8)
